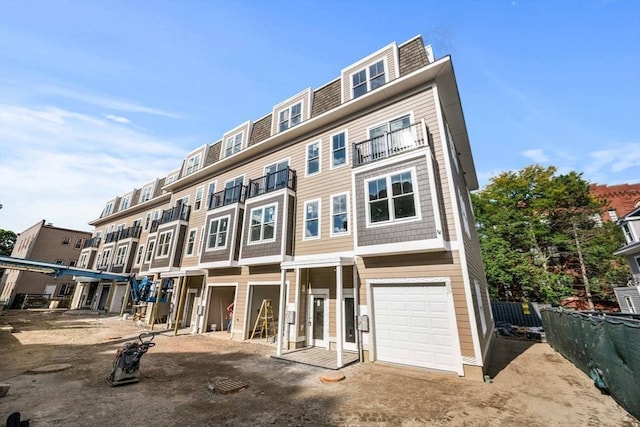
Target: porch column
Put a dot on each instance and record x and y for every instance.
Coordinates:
(183, 294)
(339, 327)
(356, 306)
(281, 314)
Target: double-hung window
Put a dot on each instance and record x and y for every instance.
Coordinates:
(290, 117)
(628, 234)
(339, 215)
(191, 241)
(233, 145)
(193, 164)
(313, 158)
(338, 149)
(140, 255)
(104, 260)
(150, 248)
(164, 243)
(124, 204)
(263, 224)
(198, 200)
(398, 205)
(217, 237)
(146, 194)
(367, 79)
(311, 220)
(211, 189)
(120, 254)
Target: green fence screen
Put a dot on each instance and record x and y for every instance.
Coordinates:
(605, 347)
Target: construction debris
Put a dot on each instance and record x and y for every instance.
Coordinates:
(533, 333)
(227, 386)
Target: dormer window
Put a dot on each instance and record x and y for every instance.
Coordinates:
(193, 164)
(233, 145)
(628, 234)
(108, 210)
(368, 79)
(124, 204)
(146, 194)
(290, 117)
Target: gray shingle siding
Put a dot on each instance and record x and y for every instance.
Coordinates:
(402, 231)
(326, 98)
(217, 255)
(412, 56)
(261, 130)
(264, 249)
(213, 154)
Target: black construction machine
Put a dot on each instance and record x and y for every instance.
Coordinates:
(127, 361)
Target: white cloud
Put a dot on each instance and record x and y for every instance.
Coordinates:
(63, 166)
(537, 155)
(117, 119)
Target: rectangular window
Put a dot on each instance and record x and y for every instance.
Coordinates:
(60, 261)
(193, 164)
(120, 254)
(72, 263)
(233, 190)
(83, 261)
(338, 150)
(164, 244)
(79, 242)
(124, 204)
(66, 289)
(147, 221)
(218, 229)
(66, 241)
(628, 234)
(146, 193)
(630, 306)
(367, 79)
(104, 259)
(262, 224)
(150, 248)
(201, 240)
(290, 117)
(339, 215)
(198, 201)
(275, 177)
(387, 136)
(139, 255)
(398, 205)
(311, 219)
(233, 145)
(313, 158)
(191, 241)
(108, 209)
(211, 189)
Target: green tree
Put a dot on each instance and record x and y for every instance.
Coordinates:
(539, 238)
(7, 241)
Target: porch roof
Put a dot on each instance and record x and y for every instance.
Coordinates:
(319, 262)
(184, 273)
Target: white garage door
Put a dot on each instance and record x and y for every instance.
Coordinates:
(414, 326)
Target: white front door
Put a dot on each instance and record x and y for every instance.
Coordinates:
(318, 318)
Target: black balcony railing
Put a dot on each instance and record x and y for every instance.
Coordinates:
(154, 225)
(111, 237)
(285, 178)
(389, 144)
(228, 196)
(93, 242)
(130, 232)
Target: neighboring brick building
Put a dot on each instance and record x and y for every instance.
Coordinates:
(43, 242)
(620, 199)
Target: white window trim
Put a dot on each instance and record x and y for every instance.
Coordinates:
(289, 108)
(630, 305)
(346, 149)
(142, 193)
(232, 137)
(416, 199)
(102, 262)
(148, 256)
(275, 225)
(208, 228)
(365, 67)
(386, 122)
(195, 243)
(344, 233)
(141, 255)
(122, 202)
(304, 220)
(195, 166)
(201, 240)
(306, 158)
(632, 234)
(195, 199)
(215, 188)
(117, 261)
(168, 243)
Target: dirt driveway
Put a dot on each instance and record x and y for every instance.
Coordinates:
(532, 384)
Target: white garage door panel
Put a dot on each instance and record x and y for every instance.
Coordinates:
(414, 326)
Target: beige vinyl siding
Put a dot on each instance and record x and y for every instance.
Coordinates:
(389, 54)
(439, 264)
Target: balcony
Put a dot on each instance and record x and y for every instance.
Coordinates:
(285, 178)
(390, 144)
(176, 213)
(227, 196)
(132, 232)
(111, 237)
(93, 242)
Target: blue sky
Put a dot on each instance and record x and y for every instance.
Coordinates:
(99, 97)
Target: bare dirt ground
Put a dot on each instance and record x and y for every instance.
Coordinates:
(532, 384)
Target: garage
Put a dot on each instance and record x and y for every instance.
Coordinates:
(414, 325)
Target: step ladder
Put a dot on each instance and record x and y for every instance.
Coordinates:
(265, 325)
